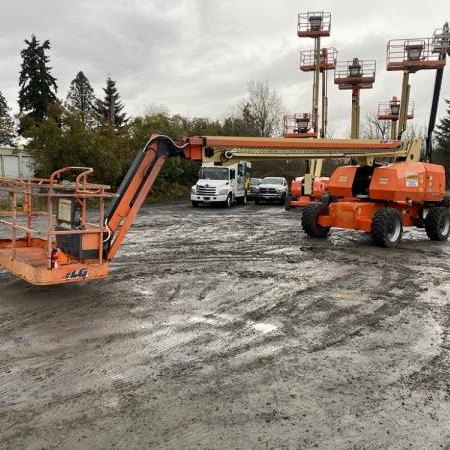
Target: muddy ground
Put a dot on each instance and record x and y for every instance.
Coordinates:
(231, 329)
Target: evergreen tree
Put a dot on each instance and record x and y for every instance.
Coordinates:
(7, 133)
(443, 133)
(37, 86)
(442, 138)
(110, 108)
(81, 99)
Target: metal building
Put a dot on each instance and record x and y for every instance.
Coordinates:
(14, 162)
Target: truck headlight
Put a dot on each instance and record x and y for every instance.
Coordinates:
(193, 190)
(223, 192)
(279, 190)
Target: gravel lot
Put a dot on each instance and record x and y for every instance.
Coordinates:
(231, 329)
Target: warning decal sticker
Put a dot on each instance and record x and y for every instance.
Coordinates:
(412, 181)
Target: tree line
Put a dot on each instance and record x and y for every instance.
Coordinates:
(85, 130)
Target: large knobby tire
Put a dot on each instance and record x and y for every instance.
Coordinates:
(257, 201)
(437, 223)
(309, 221)
(326, 199)
(194, 203)
(228, 202)
(387, 227)
(287, 203)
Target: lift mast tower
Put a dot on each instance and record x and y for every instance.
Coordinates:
(391, 111)
(355, 75)
(412, 55)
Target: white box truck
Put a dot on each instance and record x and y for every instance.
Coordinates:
(222, 185)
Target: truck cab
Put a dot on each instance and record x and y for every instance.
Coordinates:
(272, 189)
(222, 185)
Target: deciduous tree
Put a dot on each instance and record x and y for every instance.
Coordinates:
(374, 128)
(262, 109)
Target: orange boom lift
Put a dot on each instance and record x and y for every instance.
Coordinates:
(382, 199)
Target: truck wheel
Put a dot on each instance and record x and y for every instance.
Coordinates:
(257, 202)
(309, 221)
(287, 203)
(229, 201)
(437, 223)
(387, 228)
(194, 204)
(283, 200)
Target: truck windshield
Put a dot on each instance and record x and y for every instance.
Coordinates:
(213, 173)
(272, 180)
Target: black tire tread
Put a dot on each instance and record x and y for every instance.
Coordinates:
(287, 203)
(379, 227)
(432, 222)
(309, 221)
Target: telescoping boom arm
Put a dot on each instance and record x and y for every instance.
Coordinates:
(222, 150)
(225, 150)
(136, 185)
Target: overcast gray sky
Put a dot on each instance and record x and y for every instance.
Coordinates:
(196, 56)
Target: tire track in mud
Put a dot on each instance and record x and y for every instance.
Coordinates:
(231, 323)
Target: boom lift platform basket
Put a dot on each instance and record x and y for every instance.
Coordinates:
(46, 236)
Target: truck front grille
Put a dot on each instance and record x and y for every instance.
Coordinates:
(203, 190)
(267, 191)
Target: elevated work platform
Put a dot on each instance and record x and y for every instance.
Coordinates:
(391, 110)
(46, 237)
(357, 73)
(314, 24)
(298, 125)
(414, 54)
(327, 60)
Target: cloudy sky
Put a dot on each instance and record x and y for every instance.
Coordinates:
(195, 57)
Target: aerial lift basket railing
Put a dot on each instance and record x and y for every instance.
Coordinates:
(327, 59)
(414, 54)
(391, 110)
(298, 125)
(314, 24)
(356, 73)
(48, 216)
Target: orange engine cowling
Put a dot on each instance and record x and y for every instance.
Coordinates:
(320, 185)
(342, 180)
(297, 187)
(408, 181)
(397, 182)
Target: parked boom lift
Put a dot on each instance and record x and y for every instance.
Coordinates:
(382, 199)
